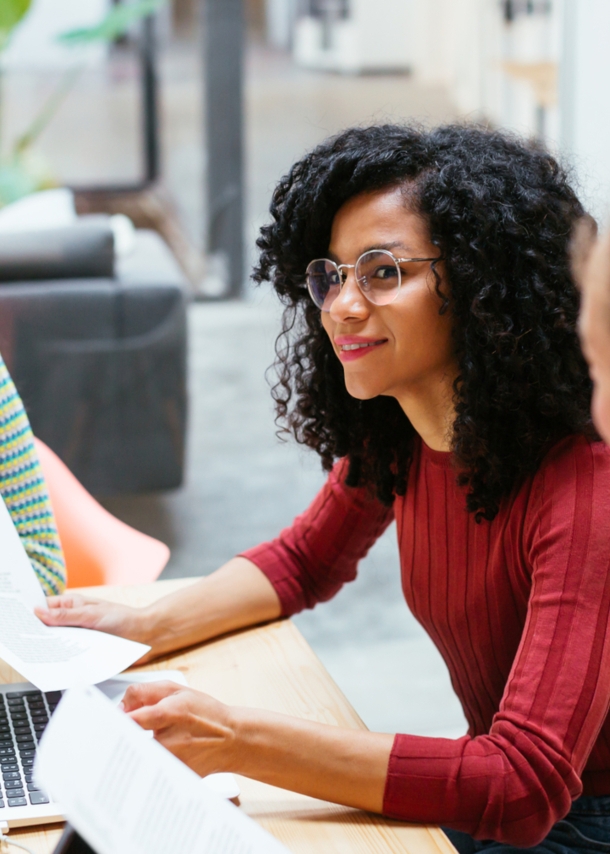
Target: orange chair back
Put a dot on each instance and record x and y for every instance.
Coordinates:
(98, 547)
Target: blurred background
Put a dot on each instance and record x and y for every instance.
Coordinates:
(182, 115)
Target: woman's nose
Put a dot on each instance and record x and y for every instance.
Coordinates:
(350, 303)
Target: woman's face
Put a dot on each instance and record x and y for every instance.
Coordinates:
(409, 352)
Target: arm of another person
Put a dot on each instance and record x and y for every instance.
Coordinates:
(24, 491)
(307, 563)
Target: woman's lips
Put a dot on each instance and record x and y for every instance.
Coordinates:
(351, 348)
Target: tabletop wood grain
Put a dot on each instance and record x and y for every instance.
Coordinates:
(270, 667)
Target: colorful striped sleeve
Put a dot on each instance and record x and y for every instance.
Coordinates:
(24, 491)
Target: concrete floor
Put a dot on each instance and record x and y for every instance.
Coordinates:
(242, 486)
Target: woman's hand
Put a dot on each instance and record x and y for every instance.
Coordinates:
(235, 596)
(72, 609)
(191, 725)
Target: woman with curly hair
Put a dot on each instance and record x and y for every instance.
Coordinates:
(429, 355)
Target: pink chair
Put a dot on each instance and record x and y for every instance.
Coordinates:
(98, 547)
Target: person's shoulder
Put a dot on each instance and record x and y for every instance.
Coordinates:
(570, 496)
(577, 448)
(574, 460)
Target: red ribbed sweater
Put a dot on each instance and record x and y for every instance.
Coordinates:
(518, 608)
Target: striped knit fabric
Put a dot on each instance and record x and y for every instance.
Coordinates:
(24, 491)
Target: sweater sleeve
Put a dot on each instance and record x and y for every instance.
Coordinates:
(24, 491)
(312, 559)
(515, 782)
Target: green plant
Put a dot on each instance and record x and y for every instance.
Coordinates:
(21, 172)
(115, 24)
(11, 13)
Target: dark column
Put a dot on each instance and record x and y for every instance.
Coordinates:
(150, 110)
(223, 33)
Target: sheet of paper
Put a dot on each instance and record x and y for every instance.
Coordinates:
(17, 578)
(52, 658)
(125, 794)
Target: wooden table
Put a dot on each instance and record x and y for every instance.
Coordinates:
(271, 667)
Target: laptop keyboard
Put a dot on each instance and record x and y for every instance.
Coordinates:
(23, 718)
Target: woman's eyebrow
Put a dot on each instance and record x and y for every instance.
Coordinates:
(395, 244)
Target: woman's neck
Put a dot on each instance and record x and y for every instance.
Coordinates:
(431, 412)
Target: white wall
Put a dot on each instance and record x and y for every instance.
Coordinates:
(279, 21)
(463, 45)
(584, 100)
(377, 36)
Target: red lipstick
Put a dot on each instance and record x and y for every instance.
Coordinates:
(353, 347)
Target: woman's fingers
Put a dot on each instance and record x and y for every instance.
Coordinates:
(70, 611)
(191, 725)
(147, 694)
(66, 600)
(76, 610)
(158, 705)
(150, 717)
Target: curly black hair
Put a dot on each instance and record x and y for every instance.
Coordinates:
(501, 211)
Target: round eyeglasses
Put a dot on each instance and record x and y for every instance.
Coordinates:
(377, 272)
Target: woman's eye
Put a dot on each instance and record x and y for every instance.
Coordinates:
(385, 273)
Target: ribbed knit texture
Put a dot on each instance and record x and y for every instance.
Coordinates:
(519, 609)
(24, 492)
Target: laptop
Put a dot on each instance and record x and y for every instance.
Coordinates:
(24, 714)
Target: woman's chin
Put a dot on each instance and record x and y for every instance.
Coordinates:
(361, 391)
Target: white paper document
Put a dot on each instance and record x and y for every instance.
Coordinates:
(125, 794)
(53, 658)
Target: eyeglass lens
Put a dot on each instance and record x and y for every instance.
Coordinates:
(323, 282)
(377, 275)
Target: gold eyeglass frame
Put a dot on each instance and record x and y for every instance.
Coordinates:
(342, 271)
